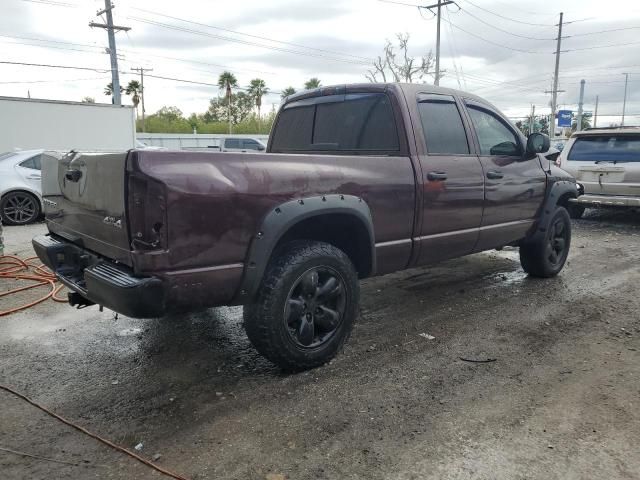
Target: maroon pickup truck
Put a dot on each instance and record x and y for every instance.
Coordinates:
(357, 181)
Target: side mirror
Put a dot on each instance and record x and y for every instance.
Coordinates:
(537, 143)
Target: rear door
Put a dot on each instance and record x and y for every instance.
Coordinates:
(514, 184)
(607, 164)
(88, 207)
(452, 183)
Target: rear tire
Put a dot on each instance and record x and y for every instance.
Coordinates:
(545, 256)
(575, 211)
(305, 307)
(19, 208)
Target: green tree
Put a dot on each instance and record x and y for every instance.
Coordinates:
(256, 90)
(226, 82)
(135, 90)
(311, 83)
(287, 91)
(586, 121)
(108, 90)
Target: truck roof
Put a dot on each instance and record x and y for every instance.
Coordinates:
(406, 88)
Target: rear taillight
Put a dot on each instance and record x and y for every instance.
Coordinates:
(147, 213)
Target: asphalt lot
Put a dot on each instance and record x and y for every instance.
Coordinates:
(561, 400)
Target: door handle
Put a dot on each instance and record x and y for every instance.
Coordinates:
(436, 176)
(34, 177)
(495, 174)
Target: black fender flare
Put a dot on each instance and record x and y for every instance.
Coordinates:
(557, 190)
(281, 218)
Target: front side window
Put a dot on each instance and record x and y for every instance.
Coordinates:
(232, 143)
(495, 137)
(341, 123)
(606, 148)
(250, 144)
(442, 126)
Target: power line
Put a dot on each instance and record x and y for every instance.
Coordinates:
(99, 70)
(601, 31)
(601, 46)
(508, 18)
(464, 10)
(259, 37)
(244, 42)
(64, 80)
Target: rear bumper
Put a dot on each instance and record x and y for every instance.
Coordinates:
(589, 199)
(101, 281)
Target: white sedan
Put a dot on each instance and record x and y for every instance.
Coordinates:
(20, 186)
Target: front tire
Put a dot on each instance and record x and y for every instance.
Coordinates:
(545, 256)
(305, 307)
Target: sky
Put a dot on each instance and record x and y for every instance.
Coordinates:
(502, 50)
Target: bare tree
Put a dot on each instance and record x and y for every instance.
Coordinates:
(401, 67)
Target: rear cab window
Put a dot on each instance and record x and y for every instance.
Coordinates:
(606, 148)
(357, 123)
(442, 125)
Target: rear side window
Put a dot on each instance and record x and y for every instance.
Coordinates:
(442, 126)
(33, 163)
(495, 137)
(340, 123)
(608, 148)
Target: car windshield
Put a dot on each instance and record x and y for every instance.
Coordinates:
(606, 148)
(6, 155)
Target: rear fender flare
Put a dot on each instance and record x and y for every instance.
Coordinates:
(281, 219)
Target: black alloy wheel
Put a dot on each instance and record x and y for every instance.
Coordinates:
(315, 306)
(557, 242)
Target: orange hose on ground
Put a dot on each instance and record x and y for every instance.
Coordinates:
(14, 268)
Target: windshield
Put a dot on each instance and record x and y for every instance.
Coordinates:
(606, 148)
(6, 155)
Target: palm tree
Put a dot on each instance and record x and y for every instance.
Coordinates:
(135, 90)
(287, 91)
(312, 83)
(108, 90)
(227, 81)
(257, 89)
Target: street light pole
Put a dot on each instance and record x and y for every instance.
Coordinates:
(624, 102)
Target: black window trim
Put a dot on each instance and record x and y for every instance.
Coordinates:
(470, 103)
(424, 97)
(402, 150)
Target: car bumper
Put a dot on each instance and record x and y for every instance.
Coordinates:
(101, 281)
(606, 200)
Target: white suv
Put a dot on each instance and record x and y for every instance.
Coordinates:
(606, 165)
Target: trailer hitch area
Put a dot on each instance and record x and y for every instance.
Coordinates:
(78, 301)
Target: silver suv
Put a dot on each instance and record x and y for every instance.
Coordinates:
(606, 165)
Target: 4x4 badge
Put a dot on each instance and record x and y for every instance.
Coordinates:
(113, 221)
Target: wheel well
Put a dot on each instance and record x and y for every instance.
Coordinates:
(341, 230)
(563, 201)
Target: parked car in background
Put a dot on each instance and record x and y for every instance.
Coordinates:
(20, 199)
(242, 145)
(606, 165)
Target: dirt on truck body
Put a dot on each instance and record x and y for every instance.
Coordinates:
(358, 181)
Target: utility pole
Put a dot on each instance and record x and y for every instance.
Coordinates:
(111, 29)
(438, 6)
(624, 102)
(595, 114)
(532, 118)
(580, 103)
(554, 91)
(141, 71)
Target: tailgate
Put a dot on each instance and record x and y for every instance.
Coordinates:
(84, 198)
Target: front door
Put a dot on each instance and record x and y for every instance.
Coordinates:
(514, 183)
(452, 183)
